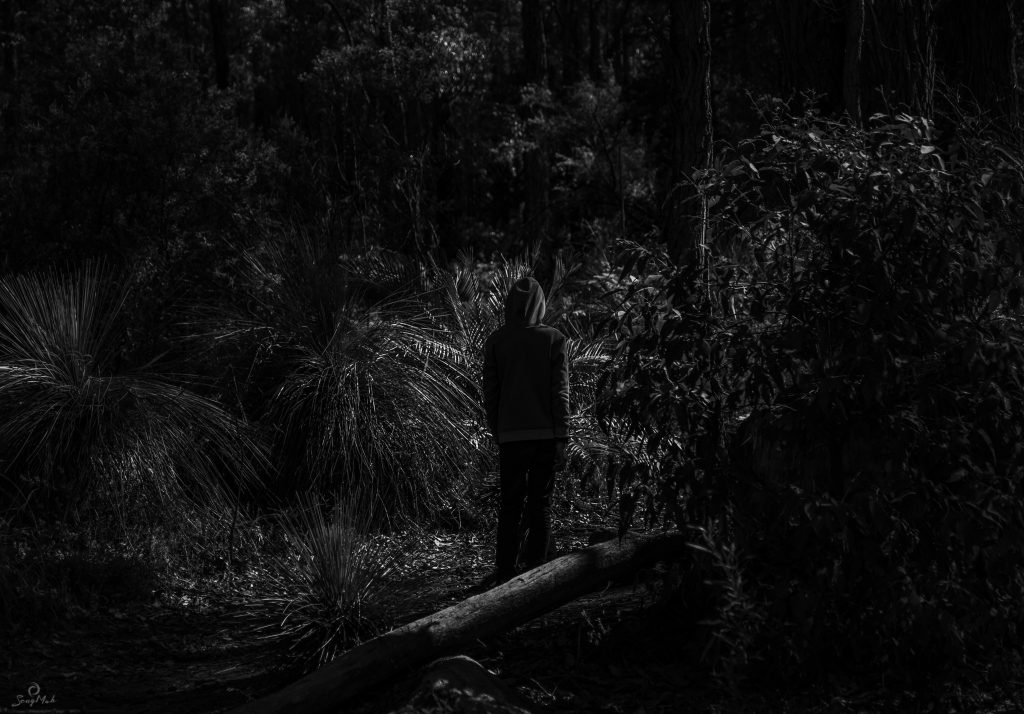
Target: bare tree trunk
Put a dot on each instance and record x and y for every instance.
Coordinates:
(531, 594)
(688, 121)
(977, 52)
(594, 47)
(852, 59)
(571, 28)
(534, 51)
(621, 45)
(811, 41)
(900, 37)
(8, 66)
(218, 35)
(535, 164)
(8, 41)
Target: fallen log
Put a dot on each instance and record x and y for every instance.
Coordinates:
(517, 601)
(462, 685)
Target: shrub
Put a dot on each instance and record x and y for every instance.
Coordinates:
(82, 433)
(326, 589)
(838, 385)
(359, 389)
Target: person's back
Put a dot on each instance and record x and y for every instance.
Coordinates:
(525, 361)
(526, 396)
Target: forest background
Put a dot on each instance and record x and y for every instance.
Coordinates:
(250, 251)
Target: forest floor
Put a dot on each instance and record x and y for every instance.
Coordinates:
(614, 651)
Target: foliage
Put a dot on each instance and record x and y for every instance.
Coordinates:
(325, 590)
(737, 618)
(115, 147)
(838, 385)
(82, 432)
(359, 391)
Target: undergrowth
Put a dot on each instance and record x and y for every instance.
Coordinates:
(325, 591)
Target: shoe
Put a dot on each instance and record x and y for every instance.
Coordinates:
(495, 579)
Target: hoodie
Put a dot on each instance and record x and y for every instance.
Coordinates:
(526, 373)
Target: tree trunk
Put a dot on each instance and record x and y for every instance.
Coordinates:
(688, 121)
(570, 24)
(977, 52)
(535, 164)
(594, 49)
(524, 597)
(8, 67)
(534, 65)
(810, 37)
(8, 42)
(900, 47)
(621, 45)
(852, 59)
(218, 35)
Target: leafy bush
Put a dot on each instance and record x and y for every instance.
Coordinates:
(838, 384)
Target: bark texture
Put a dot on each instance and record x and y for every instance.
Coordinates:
(900, 51)
(852, 59)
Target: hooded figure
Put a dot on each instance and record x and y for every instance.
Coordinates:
(526, 397)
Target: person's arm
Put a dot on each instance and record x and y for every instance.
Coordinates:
(491, 388)
(560, 389)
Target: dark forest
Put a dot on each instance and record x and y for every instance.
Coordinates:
(250, 255)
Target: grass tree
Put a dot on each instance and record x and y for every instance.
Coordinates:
(85, 432)
(362, 387)
(326, 590)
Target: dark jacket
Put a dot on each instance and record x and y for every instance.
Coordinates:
(526, 373)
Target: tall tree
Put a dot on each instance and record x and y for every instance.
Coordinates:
(595, 59)
(534, 50)
(571, 25)
(852, 59)
(535, 165)
(810, 36)
(218, 36)
(900, 55)
(621, 43)
(8, 60)
(688, 121)
(977, 52)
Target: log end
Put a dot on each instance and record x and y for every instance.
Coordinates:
(462, 685)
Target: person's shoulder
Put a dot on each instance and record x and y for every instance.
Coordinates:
(552, 332)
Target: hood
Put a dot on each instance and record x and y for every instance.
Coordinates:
(525, 303)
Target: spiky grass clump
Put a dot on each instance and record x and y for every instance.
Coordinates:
(85, 433)
(326, 589)
(380, 403)
(360, 389)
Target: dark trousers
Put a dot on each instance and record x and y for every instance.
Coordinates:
(527, 475)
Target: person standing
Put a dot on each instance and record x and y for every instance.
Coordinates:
(526, 399)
